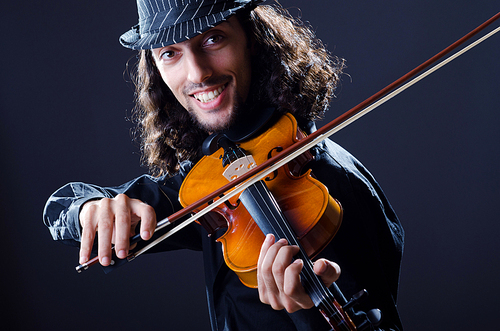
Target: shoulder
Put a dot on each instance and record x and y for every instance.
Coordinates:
(346, 177)
(332, 160)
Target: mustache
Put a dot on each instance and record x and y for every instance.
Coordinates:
(212, 81)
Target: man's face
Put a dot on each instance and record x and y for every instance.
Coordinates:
(210, 74)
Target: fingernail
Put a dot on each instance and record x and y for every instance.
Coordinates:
(105, 260)
(145, 234)
(269, 237)
(122, 254)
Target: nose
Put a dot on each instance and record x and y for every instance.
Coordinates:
(198, 67)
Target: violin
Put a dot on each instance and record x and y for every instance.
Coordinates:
(314, 215)
(287, 203)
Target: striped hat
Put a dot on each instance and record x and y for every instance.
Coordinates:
(166, 22)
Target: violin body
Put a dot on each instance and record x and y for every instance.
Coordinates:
(313, 214)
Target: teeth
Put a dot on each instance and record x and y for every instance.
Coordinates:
(210, 96)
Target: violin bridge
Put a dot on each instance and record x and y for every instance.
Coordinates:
(239, 167)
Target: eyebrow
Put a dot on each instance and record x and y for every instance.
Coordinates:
(226, 22)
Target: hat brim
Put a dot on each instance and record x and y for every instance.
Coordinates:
(176, 33)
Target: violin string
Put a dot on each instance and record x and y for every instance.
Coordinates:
(321, 292)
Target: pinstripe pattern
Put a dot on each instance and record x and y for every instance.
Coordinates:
(165, 22)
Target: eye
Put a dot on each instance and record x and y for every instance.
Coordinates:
(213, 39)
(167, 54)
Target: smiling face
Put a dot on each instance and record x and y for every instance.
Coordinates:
(210, 74)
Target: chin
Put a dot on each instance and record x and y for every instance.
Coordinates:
(215, 120)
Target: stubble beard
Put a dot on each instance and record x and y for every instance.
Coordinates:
(223, 123)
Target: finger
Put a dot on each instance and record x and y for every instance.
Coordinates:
(122, 225)
(282, 261)
(328, 271)
(87, 221)
(105, 227)
(267, 286)
(294, 294)
(260, 281)
(272, 276)
(267, 258)
(146, 214)
(268, 242)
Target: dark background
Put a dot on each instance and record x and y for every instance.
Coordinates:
(434, 149)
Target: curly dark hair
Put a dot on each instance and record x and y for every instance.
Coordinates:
(291, 71)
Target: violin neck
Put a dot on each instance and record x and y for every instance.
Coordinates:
(263, 208)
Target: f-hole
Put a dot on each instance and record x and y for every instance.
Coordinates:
(227, 203)
(270, 155)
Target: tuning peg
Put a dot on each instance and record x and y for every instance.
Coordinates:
(355, 299)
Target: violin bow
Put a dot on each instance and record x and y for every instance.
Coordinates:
(244, 181)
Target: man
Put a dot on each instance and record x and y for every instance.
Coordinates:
(210, 66)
